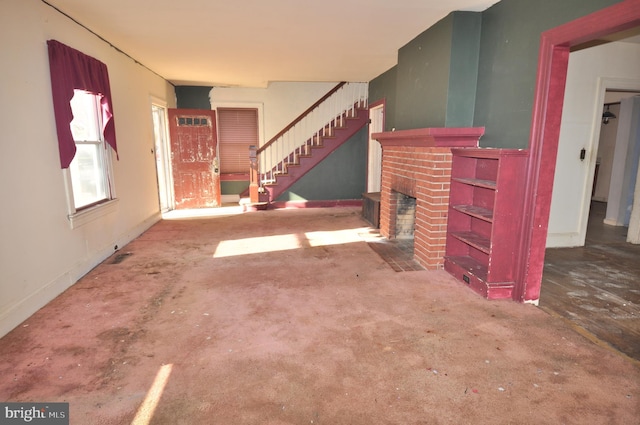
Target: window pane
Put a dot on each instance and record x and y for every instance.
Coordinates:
(85, 120)
(87, 175)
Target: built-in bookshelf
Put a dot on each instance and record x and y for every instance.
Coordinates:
(485, 211)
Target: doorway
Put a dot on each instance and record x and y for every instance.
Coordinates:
(238, 130)
(194, 158)
(162, 152)
(598, 77)
(374, 161)
(555, 45)
(593, 286)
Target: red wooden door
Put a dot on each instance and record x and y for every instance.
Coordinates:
(194, 165)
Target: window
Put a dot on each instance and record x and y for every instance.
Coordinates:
(90, 168)
(238, 129)
(84, 124)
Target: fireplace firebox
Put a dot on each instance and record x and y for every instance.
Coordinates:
(405, 215)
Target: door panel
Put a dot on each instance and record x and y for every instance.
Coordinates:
(194, 162)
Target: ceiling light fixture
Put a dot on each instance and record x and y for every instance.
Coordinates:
(607, 115)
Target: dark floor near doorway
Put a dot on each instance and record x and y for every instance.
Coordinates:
(597, 287)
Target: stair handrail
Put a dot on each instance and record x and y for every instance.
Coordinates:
(306, 132)
(301, 117)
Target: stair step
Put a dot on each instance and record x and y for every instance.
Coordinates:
(302, 157)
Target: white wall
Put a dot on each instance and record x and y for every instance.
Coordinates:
(633, 233)
(282, 102)
(623, 176)
(40, 255)
(591, 72)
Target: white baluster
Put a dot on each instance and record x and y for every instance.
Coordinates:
(318, 123)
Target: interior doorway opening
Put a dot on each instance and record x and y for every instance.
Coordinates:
(374, 152)
(594, 283)
(555, 46)
(162, 153)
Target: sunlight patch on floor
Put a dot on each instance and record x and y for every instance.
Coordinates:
(258, 245)
(150, 403)
(334, 237)
(275, 243)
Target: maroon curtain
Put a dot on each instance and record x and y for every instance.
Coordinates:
(71, 69)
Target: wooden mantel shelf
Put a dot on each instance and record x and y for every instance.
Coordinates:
(431, 137)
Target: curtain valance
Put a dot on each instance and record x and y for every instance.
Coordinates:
(71, 69)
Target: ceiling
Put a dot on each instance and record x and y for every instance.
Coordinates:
(253, 42)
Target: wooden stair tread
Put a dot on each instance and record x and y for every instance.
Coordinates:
(344, 127)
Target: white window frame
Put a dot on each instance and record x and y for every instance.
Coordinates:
(83, 215)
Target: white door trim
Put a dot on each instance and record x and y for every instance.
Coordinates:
(374, 151)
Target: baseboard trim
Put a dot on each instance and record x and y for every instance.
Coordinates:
(316, 204)
(19, 312)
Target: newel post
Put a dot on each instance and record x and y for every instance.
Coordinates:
(253, 175)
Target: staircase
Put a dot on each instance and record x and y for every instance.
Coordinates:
(309, 139)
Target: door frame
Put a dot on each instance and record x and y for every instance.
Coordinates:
(226, 198)
(551, 76)
(374, 159)
(162, 151)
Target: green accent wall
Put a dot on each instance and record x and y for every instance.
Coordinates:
(193, 97)
(463, 69)
(233, 187)
(475, 69)
(383, 87)
(341, 175)
(509, 47)
(423, 78)
(434, 83)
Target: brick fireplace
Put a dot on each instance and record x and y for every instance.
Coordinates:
(416, 164)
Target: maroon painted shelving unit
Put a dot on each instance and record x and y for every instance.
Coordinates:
(485, 212)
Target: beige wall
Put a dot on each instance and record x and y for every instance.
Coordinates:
(40, 255)
(282, 102)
